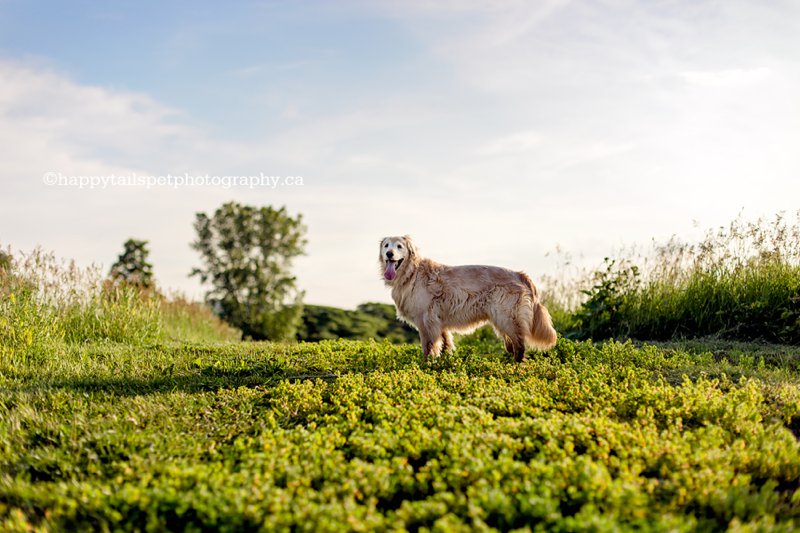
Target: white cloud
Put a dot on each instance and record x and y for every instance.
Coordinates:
(727, 77)
(522, 141)
(49, 122)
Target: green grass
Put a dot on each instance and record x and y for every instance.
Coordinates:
(45, 303)
(761, 301)
(739, 282)
(184, 320)
(346, 435)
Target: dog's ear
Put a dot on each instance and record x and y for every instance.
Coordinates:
(412, 247)
(380, 249)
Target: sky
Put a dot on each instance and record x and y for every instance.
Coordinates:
(494, 132)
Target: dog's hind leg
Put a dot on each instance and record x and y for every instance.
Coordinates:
(513, 337)
(506, 329)
(515, 346)
(447, 342)
(508, 344)
(518, 340)
(518, 350)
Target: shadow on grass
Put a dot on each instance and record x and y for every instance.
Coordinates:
(131, 370)
(212, 372)
(126, 371)
(199, 382)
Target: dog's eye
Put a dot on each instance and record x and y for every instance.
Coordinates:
(399, 246)
(386, 245)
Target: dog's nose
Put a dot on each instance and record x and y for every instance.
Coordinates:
(389, 254)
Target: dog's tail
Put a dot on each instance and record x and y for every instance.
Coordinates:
(543, 335)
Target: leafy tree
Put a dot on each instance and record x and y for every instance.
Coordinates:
(247, 254)
(132, 267)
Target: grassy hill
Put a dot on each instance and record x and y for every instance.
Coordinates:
(346, 435)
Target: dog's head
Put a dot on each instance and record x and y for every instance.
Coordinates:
(395, 254)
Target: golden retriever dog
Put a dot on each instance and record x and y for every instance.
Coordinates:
(439, 300)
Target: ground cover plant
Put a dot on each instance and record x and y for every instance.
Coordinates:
(346, 435)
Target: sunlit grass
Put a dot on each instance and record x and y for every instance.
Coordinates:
(346, 435)
(741, 281)
(45, 302)
(185, 320)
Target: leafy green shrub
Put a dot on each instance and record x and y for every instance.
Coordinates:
(391, 328)
(602, 315)
(368, 321)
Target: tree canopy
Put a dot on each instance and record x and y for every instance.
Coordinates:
(247, 254)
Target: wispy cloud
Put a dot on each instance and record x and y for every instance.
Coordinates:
(728, 77)
(522, 141)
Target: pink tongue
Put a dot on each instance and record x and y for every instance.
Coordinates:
(390, 273)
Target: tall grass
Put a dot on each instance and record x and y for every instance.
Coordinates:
(44, 302)
(741, 281)
(186, 320)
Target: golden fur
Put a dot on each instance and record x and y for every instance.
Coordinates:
(439, 300)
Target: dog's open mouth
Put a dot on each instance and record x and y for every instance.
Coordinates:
(391, 269)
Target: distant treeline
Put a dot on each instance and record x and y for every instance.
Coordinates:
(368, 321)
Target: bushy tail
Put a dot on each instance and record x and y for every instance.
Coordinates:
(543, 334)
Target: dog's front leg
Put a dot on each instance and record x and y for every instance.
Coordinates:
(431, 337)
(431, 345)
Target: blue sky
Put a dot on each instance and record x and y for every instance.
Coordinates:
(492, 131)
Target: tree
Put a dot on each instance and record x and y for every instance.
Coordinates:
(132, 267)
(247, 254)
